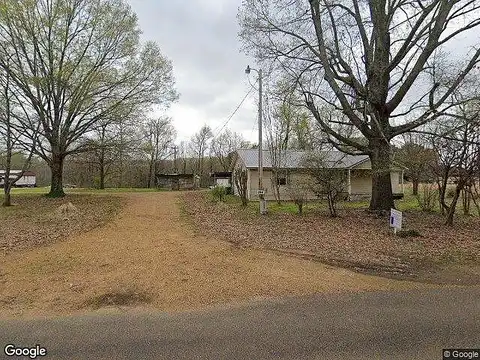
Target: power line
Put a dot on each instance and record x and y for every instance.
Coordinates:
(234, 112)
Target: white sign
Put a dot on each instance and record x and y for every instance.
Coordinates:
(396, 219)
(260, 192)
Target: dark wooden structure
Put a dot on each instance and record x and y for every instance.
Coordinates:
(178, 181)
(222, 178)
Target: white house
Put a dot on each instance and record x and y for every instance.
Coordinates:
(28, 179)
(357, 167)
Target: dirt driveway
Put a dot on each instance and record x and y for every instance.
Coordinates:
(151, 254)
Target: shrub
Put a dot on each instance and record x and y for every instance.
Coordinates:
(218, 193)
(298, 190)
(328, 181)
(96, 182)
(427, 197)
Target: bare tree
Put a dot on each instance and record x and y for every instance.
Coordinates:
(302, 131)
(416, 157)
(128, 147)
(103, 151)
(377, 63)
(299, 189)
(277, 125)
(428, 197)
(240, 177)
(11, 138)
(458, 153)
(107, 149)
(329, 178)
(76, 62)
(224, 145)
(182, 151)
(159, 136)
(199, 146)
(475, 190)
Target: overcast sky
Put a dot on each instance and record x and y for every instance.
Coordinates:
(200, 38)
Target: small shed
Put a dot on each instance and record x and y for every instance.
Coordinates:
(178, 181)
(222, 178)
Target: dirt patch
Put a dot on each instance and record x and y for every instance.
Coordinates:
(149, 247)
(357, 240)
(66, 211)
(36, 221)
(125, 297)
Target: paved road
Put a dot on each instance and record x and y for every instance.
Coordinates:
(403, 325)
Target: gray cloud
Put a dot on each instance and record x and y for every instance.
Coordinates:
(200, 37)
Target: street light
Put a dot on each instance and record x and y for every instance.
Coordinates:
(261, 191)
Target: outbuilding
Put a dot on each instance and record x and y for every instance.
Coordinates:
(28, 178)
(178, 181)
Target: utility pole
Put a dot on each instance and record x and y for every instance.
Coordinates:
(261, 191)
(175, 170)
(263, 203)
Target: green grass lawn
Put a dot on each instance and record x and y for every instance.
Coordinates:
(27, 191)
(111, 190)
(40, 191)
(408, 203)
(46, 189)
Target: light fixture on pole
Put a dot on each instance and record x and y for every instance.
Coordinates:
(261, 190)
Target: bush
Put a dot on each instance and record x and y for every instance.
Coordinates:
(96, 182)
(218, 193)
(427, 197)
(298, 190)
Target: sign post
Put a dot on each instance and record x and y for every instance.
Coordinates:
(395, 220)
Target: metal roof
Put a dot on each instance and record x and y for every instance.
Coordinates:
(16, 172)
(177, 176)
(293, 159)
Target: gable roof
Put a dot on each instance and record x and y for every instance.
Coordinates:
(292, 159)
(16, 172)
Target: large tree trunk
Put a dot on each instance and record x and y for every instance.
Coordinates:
(442, 191)
(102, 177)
(151, 172)
(101, 185)
(382, 196)
(466, 200)
(102, 168)
(7, 201)
(56, 167)
(7, 185)
(453, 207)
(415, 186)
